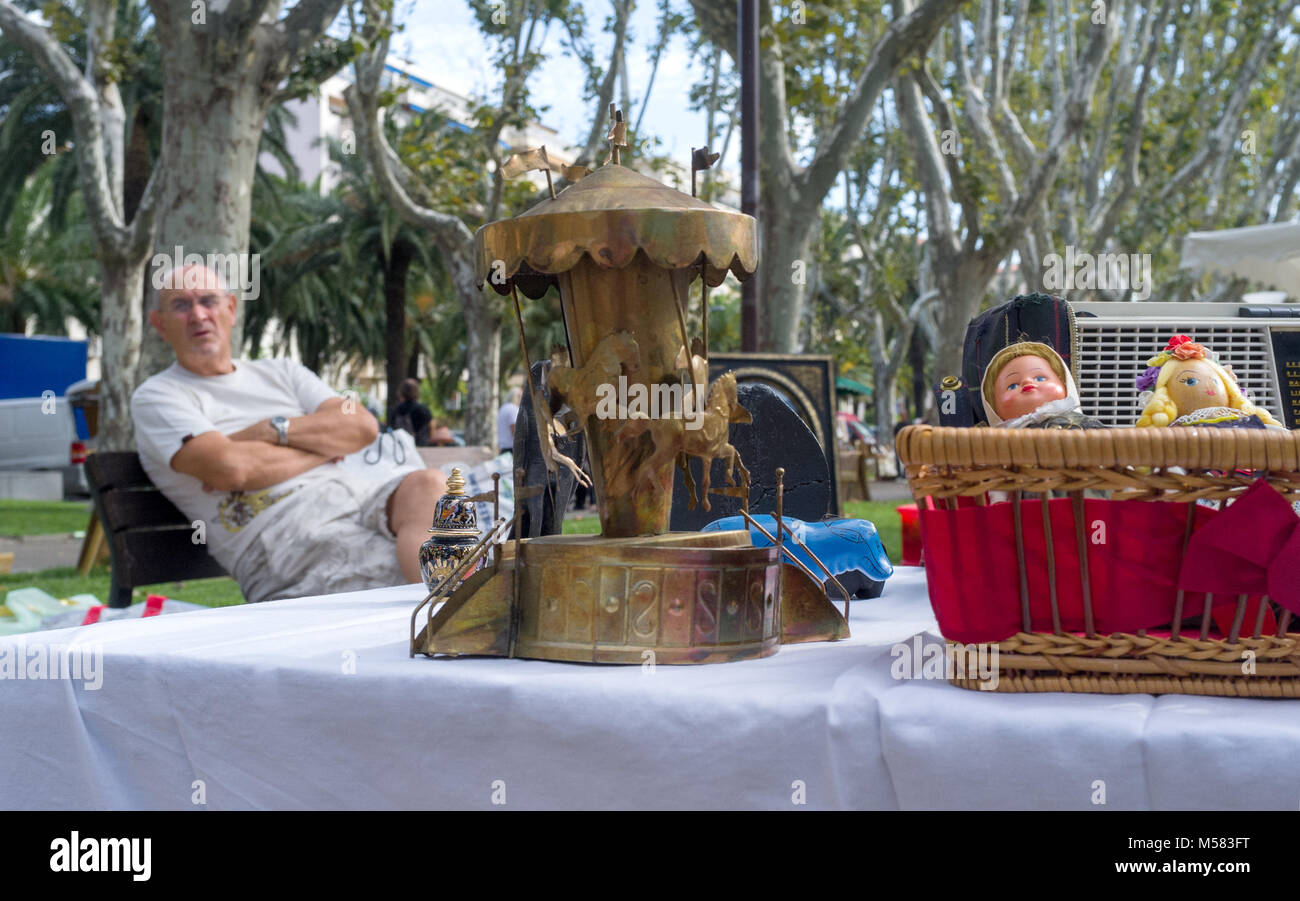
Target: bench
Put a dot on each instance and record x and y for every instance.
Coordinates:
(149, 540)
(854, 470)
(438, 457)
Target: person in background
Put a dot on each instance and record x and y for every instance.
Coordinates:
(250, 448)
(412, 415)
(506, 417)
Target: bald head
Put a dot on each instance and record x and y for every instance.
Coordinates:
(193, 281)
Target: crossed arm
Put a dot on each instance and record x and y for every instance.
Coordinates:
(252, 459)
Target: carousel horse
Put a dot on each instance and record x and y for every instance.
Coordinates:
(710, 442)
(670, 438)
(580, 388)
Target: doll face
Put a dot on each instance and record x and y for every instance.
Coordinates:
(1025, 384)
(1194, 386)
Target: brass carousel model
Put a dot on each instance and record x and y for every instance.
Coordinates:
(623, 250)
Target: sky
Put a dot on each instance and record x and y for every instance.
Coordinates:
(442, 38)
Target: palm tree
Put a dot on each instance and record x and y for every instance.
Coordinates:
(34, 122)
(320, 256)
(310, 295)
(47, 274)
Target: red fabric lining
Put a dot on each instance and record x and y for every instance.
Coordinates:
(1252, 548)
(1134, 553)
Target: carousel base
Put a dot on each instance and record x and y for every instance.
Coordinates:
(681, 597)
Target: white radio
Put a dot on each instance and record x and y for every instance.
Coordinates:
(1260, 342)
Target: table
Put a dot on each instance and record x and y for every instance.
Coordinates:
(313, 703)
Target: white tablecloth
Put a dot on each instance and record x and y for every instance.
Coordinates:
(314, 703)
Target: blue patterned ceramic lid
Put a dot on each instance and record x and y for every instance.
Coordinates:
(455, 516)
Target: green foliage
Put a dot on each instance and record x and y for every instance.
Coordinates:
(321, 280)
(64, 23)
(31, 114)
(47, 253)
(47, 275)
(449, 161)
(327, 56)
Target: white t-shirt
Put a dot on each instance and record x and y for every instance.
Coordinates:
(506, 417)
(176, 403)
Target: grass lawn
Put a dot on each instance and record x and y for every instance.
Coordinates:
(64, 582)
(42, 517)
(588, 525)
(881, 513)
(65, 517)
(885, 518)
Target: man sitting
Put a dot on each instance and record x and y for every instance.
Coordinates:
(250, 448)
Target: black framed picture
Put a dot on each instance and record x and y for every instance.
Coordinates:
(806, 382)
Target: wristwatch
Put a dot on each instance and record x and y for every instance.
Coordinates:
(281, 426)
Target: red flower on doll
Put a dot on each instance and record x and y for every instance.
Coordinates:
(1189, 350)
(1177, 340)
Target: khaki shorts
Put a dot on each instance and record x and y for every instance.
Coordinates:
(334, 538)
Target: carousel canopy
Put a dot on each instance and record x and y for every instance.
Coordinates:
(612, 215)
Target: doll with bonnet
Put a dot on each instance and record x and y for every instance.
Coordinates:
(1185, 384)
(1028, 386)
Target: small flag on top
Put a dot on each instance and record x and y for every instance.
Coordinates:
(526, 161)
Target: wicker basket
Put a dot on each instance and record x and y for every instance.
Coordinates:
(1046, 594)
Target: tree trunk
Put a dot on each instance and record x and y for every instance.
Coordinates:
(136, 167)
(395, 270)
(921, 380)
(483, 360)
(785, 268)
(961, 303)
(885, 401)
(120, 324)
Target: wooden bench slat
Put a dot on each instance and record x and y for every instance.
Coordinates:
(135, 509)
(108, 470)
(149, 538)
(145, 557)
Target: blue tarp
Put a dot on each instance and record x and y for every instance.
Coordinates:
(31, 366)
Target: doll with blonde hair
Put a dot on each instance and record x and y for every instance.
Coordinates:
(1185, 384)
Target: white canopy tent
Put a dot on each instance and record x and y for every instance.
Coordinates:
(1269, 254)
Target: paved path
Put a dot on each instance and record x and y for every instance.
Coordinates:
(33, 553)
(887, 490)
